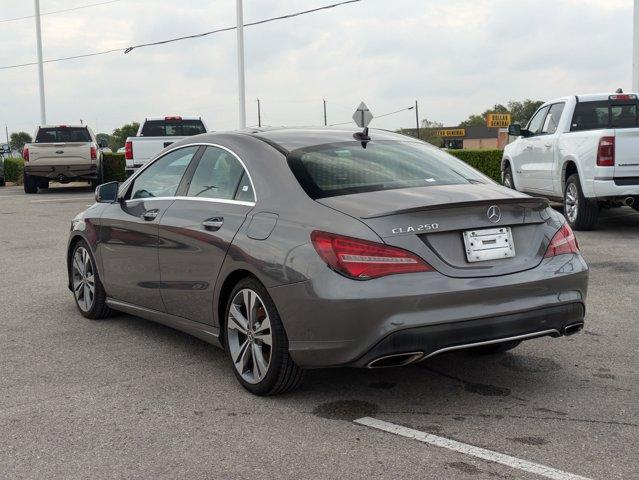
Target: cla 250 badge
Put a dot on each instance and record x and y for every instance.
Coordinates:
(416, 228)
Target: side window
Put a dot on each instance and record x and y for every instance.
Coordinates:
(217, 175)
(245, 190)
(552, 119)
(537, 121)
(590, 116)
(162, 178)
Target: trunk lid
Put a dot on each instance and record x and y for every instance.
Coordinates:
(431, 221)
(626, 152)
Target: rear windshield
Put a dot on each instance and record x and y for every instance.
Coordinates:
(604, 114)
(62, 134)
(172, 128)
(344, 168)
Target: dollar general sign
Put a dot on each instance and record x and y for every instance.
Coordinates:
(498, 120)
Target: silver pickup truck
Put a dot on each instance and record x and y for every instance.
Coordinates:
(65, 153)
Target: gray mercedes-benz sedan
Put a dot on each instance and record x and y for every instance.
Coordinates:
(307, 248)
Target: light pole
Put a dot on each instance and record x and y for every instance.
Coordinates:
(635, 48)
(417, 115)
(240, 63)
(259, 113)
(326, 118)
(43, 112)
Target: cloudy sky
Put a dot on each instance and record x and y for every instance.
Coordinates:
(456, 57)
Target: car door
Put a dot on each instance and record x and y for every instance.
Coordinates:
(197, 230)
(129, 230)
(543, 151)
(527, 164)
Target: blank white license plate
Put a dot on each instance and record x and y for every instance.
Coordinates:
(489, 244)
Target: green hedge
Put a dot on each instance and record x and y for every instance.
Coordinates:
(486, 161)
(114, 167)
(13, 168)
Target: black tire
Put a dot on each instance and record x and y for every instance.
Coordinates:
(282, 375)
(30, 184)
(508, 178)
(497, 348)
(581, 213)
(43, 183)
(98, 309)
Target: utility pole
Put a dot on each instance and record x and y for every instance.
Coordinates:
(6, 131)
(417, 114)
(635, 48)
(325, 117)
(43, 112)
(259, 114)
(240, 63)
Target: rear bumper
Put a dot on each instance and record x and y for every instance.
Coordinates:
(434, 339)
(616, 188)
(335, 321)
(63, 172)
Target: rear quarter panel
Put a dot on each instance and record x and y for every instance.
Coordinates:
(581, 149)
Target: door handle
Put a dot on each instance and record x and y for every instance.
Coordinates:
(150, 215)
(213, 224)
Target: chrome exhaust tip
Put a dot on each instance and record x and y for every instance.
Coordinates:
(396, 360)
(573, 328)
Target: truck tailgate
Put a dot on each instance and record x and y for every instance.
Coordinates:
(60, 153)
(145, 148)
(626, 152)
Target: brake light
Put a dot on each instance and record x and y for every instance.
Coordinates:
(606, 152)
(625, 96)
(363, 260)
(172, 119)
(94, 153)
(25, 154)
(564, 241)
(128, 150)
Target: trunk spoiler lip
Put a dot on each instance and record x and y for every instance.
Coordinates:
(528, 202)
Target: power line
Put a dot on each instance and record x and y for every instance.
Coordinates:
(251, 24)
(128, 49)
(59, 11)
(377, 116)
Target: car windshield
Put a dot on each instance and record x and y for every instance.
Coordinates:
(172, 128)
(345, 168)
(62, 135)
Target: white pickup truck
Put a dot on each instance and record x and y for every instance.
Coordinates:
(65, 153)
(582, 150)
(157, 133)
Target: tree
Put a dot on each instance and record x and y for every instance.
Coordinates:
(120, 135)
(104, 136)
(18, 139)
(523, 111)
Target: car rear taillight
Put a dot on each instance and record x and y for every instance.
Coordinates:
(25, 154)
(128, 150)
(363, 260)
(94, 153)
(606, 152)
(564, 241)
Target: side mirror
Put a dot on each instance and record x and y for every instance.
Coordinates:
(102, 143)
(107, 192)
(514, 129)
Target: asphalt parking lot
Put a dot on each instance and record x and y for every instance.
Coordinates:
(126, 398)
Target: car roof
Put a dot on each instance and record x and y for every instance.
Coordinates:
(287, 139)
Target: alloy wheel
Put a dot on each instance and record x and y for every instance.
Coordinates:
(83, 279)
(249, 336)
(571, 203)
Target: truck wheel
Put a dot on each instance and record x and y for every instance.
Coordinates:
(96, 182)
(581, 213)
(508, 178)
(30, 184)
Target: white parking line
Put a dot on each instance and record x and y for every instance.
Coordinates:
(478, 452)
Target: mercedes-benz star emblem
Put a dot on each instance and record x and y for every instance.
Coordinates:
(494, 214)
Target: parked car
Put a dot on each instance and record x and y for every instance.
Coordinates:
(306, 248)
(65, 153)
(581, 150)
(157, 133)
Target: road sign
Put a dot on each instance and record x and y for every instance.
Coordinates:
(362, 116)
(451, 132)
(498, 120)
